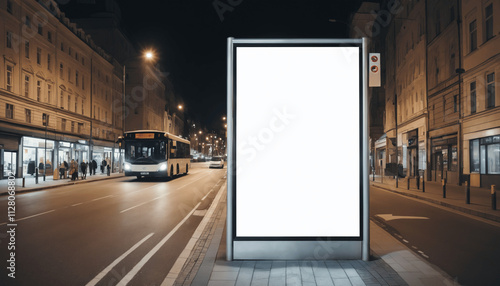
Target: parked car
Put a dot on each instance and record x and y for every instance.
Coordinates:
(217, 162)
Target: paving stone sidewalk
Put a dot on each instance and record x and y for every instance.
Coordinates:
(391, 263)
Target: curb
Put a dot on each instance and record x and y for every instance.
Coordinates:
(477, 213)
(62, 185)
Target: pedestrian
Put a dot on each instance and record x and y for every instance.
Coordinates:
(73, 170)
(83, 168)
(94, 166)
(103, 164)
(62, 171)
(66, 169)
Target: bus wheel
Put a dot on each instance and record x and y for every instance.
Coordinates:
(186, 169)
(178, 169)
(138, 177)
(171, 171)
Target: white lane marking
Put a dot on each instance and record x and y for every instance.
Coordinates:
(144, 203)
(388, 217)
(192, 182)
(102, 198)
(423, 254)
(31, 216)
(155, 249)
(77, 204)
(184, 256)
(200, 212)
(211, 190)
(406, 241)
(109, 267)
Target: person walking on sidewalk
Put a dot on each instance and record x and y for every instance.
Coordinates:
(73, 170)
(103, 164)
(62, 171)
(83, 168)
(66, 169)
(94, 167)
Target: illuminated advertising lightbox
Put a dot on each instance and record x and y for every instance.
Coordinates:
(296, 162)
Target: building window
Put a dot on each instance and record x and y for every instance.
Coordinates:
(8, 41)
(455, 103)
(9, 7)
(48, 61)
(63, 124)
(80, 128)
(27, 85)
(485, 155)
(45, 119)
(83, 104)
(38, 90)
(40, 29)
(490, 90)
(106, 116)
(61, 99)
(61, 70)
(27, 21)
(49, 93)
(27, 49)
(83, 82)
(472, 36)
(49, 36)
(489, 21)
(69, 75)
(76, 55)
(62, 47)
(473, 97)
(69, 101)
(10, 70)
(76, 78)
(39, 56)
(9, 111)
(76, 105)
(72, 127)
(69, 51)
(27, 112)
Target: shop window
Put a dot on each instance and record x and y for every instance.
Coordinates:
(485, 155)
(489, 21)
(28, 115)
(9, 111)
(490, 90)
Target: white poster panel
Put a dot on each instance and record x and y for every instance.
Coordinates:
(297, 141)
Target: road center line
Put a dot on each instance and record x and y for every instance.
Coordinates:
(102, 198)
(155, 249)
(77, 204)
(109, 267)
(31, 216)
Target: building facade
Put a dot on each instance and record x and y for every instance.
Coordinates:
(442, 61)
(56, 91)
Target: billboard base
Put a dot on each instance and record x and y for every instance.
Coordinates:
(297, 250)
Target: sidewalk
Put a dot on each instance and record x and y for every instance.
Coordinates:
(480, 198)
(391, 263)
(31, 185)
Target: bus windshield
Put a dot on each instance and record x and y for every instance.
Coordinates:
(146, 151)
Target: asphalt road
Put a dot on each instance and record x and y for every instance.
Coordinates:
(466, 248)
(113, 230)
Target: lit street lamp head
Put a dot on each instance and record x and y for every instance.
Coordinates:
(180, 107)
(149, 55)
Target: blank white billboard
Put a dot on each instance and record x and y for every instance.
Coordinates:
(297, 124)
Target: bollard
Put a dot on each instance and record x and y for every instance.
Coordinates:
(418, 182)
(408, 185)
(467, 193)
(36, 175)
(493, 198)
(443, 181)
(423, 184)
(24, 181)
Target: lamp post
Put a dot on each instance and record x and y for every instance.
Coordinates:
(46, 122)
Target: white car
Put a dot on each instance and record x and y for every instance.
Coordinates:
(217, 162)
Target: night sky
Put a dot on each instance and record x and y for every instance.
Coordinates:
(190, 36)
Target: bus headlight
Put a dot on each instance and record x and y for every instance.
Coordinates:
(163, 167)
(127, 167)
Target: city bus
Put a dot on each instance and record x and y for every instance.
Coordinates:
(151, 153)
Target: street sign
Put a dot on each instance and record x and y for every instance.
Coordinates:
(286, 100)
(374, 72)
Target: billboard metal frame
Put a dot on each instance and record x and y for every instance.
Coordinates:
(292, 248)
